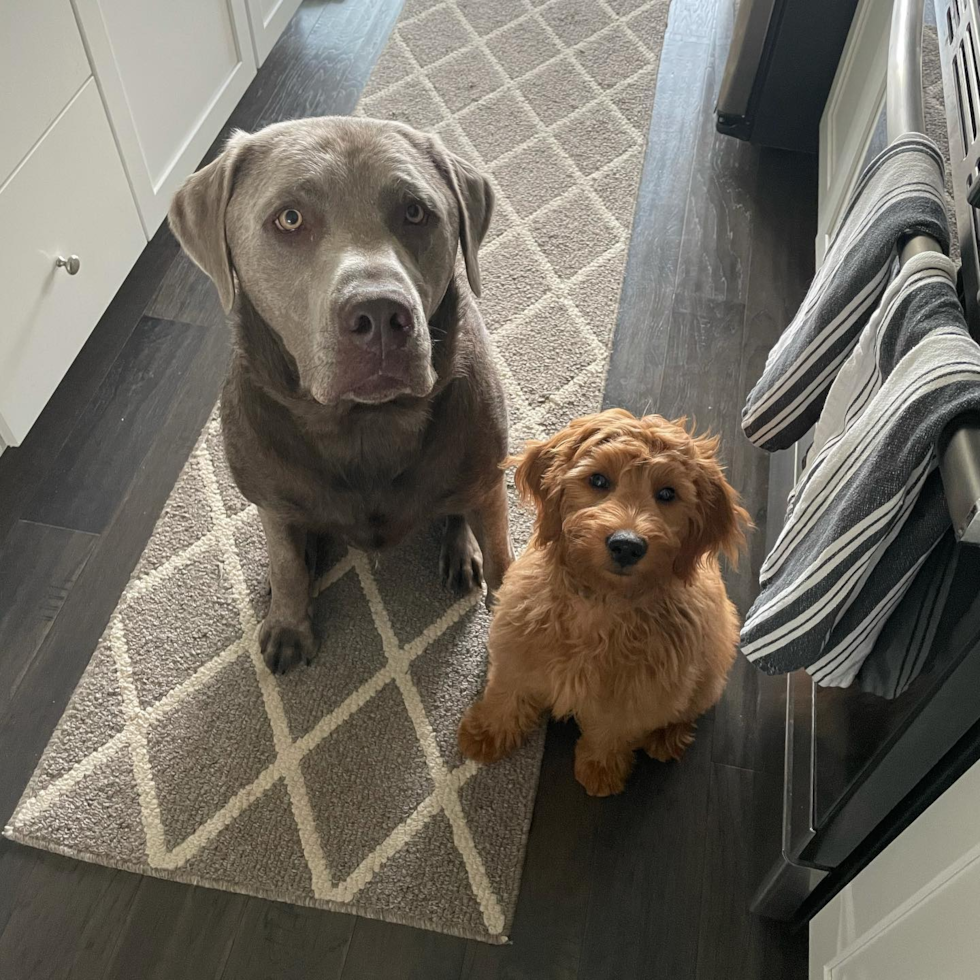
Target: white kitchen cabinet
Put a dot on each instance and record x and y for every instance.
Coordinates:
(170, 74)
(106, 106)
(267, 20)
(42, 60)
(69, 197)
(912, 914)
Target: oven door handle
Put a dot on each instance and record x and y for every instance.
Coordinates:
(958, 446)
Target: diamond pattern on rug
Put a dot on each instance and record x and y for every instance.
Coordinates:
(486, 18)
(476, 798)
(412, 879)
(414, 562)
(451, 670)
(186, 518)
(523, 46)
(547, 350)
(596, 296)
(186, 750)
(434, 35)
(563, 243)
(465, 78)
(360, 801)
(575, 21)
(538, 172)
(241, 851)
(94, 714)
(515, 278)
(163, 652)
(497, 124)
(350, 656)
(104, 804)
(340, 785)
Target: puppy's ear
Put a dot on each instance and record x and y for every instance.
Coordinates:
(474, 199)
(535, 478)
(197, 217)
(540, 466)
(721, 521)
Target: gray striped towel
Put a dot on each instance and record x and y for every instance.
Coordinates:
(900, 193)
(869, 508)
(906, 644)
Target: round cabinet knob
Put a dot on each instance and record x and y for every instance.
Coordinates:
(71, 265)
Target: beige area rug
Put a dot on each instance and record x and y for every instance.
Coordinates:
(340, 785)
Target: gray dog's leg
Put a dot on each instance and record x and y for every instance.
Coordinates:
(491, 527)
(460, 563)
(286, 633)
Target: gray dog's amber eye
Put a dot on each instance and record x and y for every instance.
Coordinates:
(415, 214)
(599, 481)
(666, 494)
(289, 219)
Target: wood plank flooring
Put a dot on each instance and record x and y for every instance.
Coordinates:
(651, 884)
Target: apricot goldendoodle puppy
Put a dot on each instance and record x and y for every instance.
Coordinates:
(616, 613)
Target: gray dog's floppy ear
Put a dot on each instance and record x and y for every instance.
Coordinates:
(197, 217)
(474, 197)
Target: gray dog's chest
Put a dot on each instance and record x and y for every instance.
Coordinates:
(368, 507)
(374, 513)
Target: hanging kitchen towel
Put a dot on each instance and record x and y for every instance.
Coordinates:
(899, 194)
(906, 641)
(853, 642)
(869, 508)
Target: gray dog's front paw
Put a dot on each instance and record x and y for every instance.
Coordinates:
(461, 563)
(284, 645)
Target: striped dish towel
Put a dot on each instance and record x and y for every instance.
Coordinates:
(905, 645)
(900, 193)
(869, 508)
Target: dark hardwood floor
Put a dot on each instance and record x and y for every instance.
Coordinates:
(652, 884)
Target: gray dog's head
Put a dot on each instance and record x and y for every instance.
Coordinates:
(343, 234)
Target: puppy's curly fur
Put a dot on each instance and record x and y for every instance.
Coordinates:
(636, 654)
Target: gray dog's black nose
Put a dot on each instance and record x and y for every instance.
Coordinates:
(380, 319)
(626, 548)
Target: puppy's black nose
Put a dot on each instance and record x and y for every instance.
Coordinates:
(626, 548)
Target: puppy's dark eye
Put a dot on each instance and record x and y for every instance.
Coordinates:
(289, 219)
(599, 481)
(666, 494)
(415, 214)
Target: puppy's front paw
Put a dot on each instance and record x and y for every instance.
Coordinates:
(483, 741)
(670, 743)
(461, 562)
(285, 644)
(603, 775)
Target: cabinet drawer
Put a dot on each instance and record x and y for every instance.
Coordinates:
(69, 197)
(42, 65)
(170, 72)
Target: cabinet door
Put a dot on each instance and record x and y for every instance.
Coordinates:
(170, 73)
(68, 197)
(912, 914)
(43, 60)
(268, 19)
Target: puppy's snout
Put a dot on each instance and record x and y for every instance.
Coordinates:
(380, 321)
(626, 548)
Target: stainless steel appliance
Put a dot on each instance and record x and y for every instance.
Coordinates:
(859, 769)
(780, 67)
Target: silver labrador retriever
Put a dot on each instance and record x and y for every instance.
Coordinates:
(361, 398)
